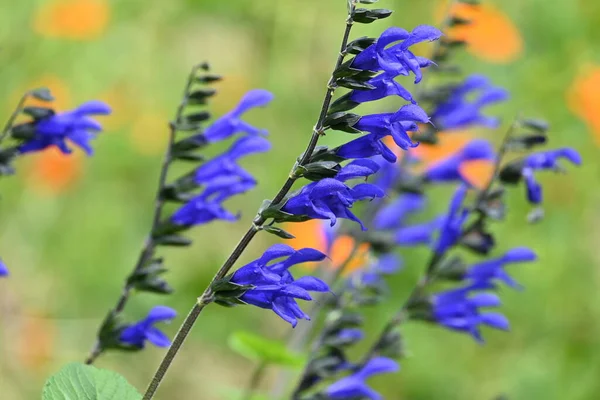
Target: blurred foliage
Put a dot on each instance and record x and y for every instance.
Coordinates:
(70, 242)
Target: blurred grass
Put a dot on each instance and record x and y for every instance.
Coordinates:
(68, 252)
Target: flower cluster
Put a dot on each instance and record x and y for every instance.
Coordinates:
(267, 282)
(137, 334)
(459, 309)
(57, 129)
(458, 112)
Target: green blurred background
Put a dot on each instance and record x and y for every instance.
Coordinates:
(68, 250)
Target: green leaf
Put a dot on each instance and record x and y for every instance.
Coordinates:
(257, 348)
(42, 94)
(278, 232)
(84, 382)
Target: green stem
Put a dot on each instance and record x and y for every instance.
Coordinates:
(149, 245)
(207, 295)
(13, 117)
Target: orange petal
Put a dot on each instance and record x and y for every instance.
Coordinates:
(583, 98)
(342, 250)
(53, 171)
(448, 144)
(72, 19)
(477, 172)
(491, 35)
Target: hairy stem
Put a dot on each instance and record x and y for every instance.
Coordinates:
(149, 245)
(207, 295)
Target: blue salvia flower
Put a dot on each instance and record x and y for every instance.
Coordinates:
(384, 86)
(448, 169)
(393, 214)
(230, 123)
(459, 309)
(451, 228)
(486, 272)
(355, 387)
(350, 336)
(137, 334)
(544, 160)
(396, 59)
(416, 234)
(274, 286)
(458, 112)
(75, 126)
(225, 165)
(3, 269)
(331, 199)
(221, 178)
(386, 264)
(397, 125)
(366, 146)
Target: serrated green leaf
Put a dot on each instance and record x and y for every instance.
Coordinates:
(84, 382)
(257, 348)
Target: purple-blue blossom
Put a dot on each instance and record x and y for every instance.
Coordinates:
(384, 86)
(416, 234)
(355, 386)
(459, 310)
(544, 160)
(366, 146)
(397, 125)
(3, 269)
(75, 126)
(487, 272)
(221, 178)
(396, 59)
(451, 228)
(448, 169)
(461, 110)
(274, 287)
(230, 123)
(137, 334)
(394, 214)
(331, 198)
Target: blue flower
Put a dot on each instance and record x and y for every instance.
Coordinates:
(384, 86)
(393, 214)
(274, 286)
(395, 124)
(3, 269)
(221, 179)
(74, 126)
(487, 271)
(366, 146)
(225, 165)
(330, 198)
(355, 387)
(396, 59)
(416, 234)
(457, 112)
(230, 123)
(448, 169)
(458, 309)
(544, 160)
(372, 276)
(137, 334)
(451, 229)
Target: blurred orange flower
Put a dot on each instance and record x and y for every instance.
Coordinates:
(583, 98)
(72, 19)
(36, 342)
(491, 35)
(475, 172)
(311, 234)
(53, 172)
(448, 144)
